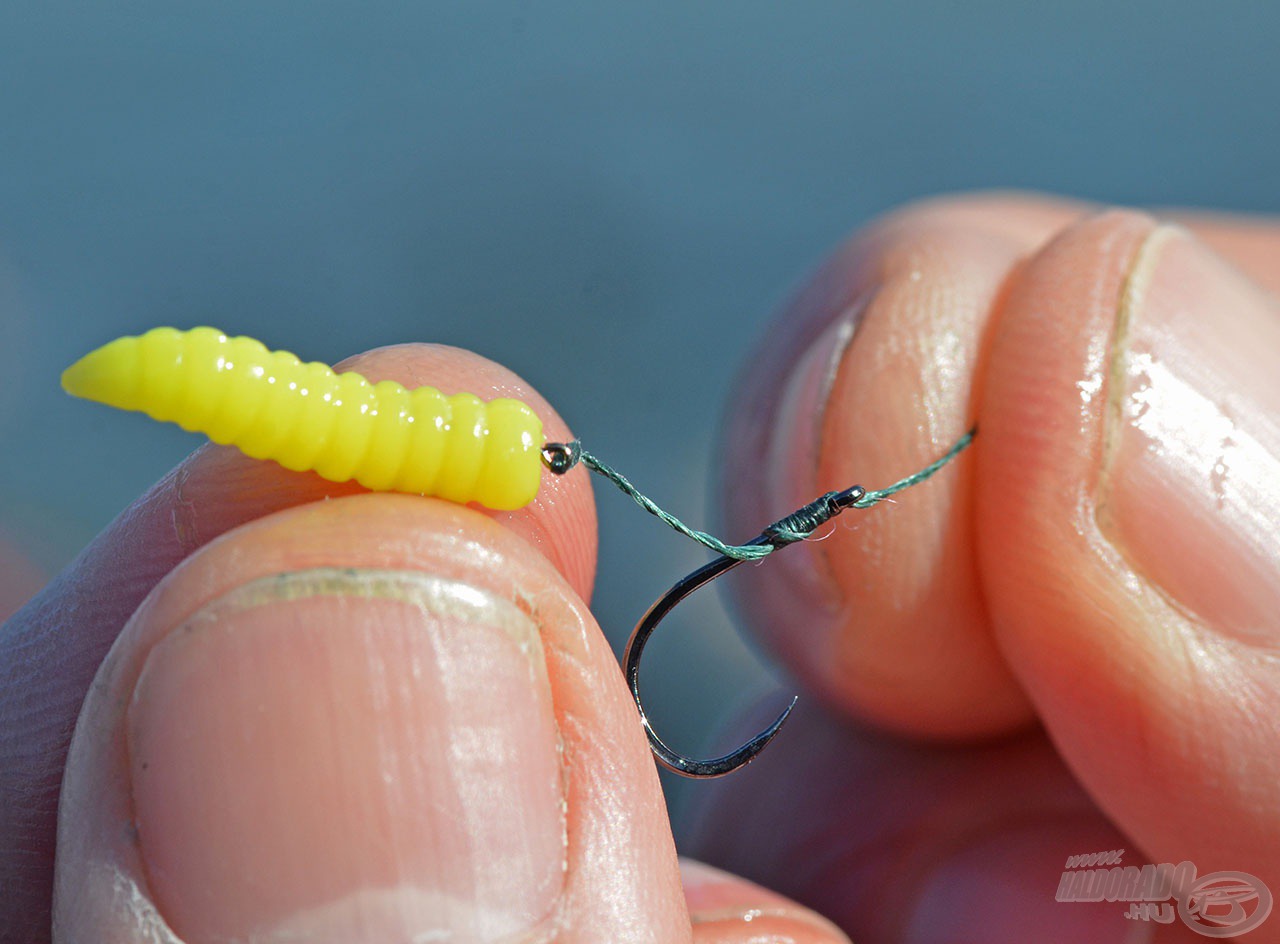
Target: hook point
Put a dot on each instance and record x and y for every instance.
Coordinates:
(718, 766)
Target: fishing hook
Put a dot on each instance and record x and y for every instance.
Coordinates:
(800, 524)
(794, 527)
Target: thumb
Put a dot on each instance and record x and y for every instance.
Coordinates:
(1128, 488)
(379, 718)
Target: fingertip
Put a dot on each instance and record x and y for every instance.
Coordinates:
(726, 909)
(561, 520)
(885, 617)
(1128, 582)
(1042, 404)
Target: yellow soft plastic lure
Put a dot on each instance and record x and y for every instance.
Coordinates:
(271, 405)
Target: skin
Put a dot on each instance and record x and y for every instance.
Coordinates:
(1064, 644)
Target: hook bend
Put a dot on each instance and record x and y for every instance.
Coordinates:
(795, 527)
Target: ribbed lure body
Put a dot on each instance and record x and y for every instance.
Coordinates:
(270, 405)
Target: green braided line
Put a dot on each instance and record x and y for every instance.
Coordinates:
(748, 552)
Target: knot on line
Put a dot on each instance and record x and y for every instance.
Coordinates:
(804, 521)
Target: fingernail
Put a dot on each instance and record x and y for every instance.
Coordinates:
(349, 756)
(1190, 491)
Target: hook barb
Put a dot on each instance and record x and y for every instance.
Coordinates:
(794, 527)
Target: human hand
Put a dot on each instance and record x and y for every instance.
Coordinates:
(313, 758)
(1093, 593)
(377, 717)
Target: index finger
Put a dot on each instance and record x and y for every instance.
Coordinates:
(890, 622)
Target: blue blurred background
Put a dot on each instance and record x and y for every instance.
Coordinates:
(609, 198)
